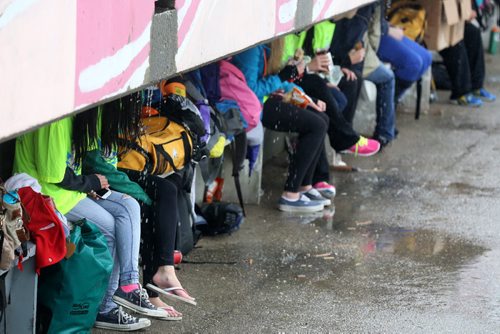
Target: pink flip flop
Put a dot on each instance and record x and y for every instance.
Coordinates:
(169, 293)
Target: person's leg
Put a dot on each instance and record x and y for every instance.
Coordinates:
(351, 90)
(341, 133)
(164, 194)
(320, 153)
(105, 222)
(285, 117)
(126, 212)
(322, 171)
(421, 52)
(340, 98)
(457, 63)
(383, 78)
(475, 53)
(406, 63)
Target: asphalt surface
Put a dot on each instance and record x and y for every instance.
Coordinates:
(411, 246)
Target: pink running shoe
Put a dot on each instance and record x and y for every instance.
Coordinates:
(325, 189)
(364, 147)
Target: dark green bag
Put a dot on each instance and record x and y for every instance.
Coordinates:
(73, 289)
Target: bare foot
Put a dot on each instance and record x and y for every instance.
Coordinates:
(156, 301)
(165, 278)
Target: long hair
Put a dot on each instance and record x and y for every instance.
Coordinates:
(85, 133)
(275, 62)
(121, 121)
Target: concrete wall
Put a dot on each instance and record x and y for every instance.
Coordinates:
(59, 56)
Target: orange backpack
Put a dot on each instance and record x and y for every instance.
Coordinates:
(164, 148)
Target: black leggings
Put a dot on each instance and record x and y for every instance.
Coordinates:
(159, 224)
(351, 90)
(311, 127)
(340, 132)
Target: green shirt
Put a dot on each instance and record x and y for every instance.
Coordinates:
(44, 154)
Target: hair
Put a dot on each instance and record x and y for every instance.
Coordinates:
(275, 62)
(119, 119)
(85, 134)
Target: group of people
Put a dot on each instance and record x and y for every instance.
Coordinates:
(308, 83)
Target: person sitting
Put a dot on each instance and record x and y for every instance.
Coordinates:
(464, 63)
(53, 155)
(262, 68)
(157, 196)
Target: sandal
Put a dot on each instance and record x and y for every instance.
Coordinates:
(169, 293)
(170, 317)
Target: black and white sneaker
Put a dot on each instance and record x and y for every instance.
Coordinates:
(315, 195)
(138, 301)
(119, 320)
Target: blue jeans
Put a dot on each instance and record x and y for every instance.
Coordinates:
(408, 59)
(383, 78)
(118, 218)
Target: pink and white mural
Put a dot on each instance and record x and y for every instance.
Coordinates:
(59, 56)
(286, 10)
(112, 47)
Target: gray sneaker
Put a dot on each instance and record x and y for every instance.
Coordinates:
(303, 204)
(138, 301)
(119, 320)
(315, 195)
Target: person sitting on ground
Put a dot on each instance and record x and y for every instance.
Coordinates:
(53, 155)
(309, 122)
(465, 66)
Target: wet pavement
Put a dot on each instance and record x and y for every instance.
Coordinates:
(411, 246)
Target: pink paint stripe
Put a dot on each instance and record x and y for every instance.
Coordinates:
(185, 25)
(328, 3)
(115, 84)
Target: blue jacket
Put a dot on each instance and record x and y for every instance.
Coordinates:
(251, 64)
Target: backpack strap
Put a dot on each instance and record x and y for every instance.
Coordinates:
(239, 148)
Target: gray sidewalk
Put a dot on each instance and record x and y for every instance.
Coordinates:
(411, 247)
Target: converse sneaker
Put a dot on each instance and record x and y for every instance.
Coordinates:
(468, 100)
(315, 195)
(364, 147)
(303, 204)
(119, 320)
(138, 301)
(484, 95)
(325, 189)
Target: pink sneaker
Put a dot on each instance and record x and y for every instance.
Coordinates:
(325, 189)
(364, 147)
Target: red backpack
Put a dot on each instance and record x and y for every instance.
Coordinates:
(233, 86)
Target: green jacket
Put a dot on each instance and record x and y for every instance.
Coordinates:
(95, 163)
(323, 34)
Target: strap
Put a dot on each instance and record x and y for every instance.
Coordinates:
(238, 147)
(136, 147)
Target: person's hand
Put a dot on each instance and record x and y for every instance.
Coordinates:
(301, 67)
(103, 180)
(473, 15)
(330, 85)
(93, 195)
(357, 56)
(320, 63)
(319, 106)
(350, 75)
(396, 33)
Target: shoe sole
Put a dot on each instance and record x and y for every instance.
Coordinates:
(328, 194)
(456, 103)
(138, 309)
(123, 328)
(290, 208)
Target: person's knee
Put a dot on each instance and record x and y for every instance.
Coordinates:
(412, 69)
